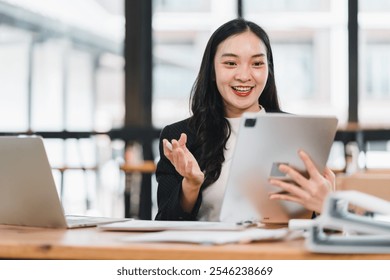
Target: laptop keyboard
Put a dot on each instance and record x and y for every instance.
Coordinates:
(81, 220)
(76, 220)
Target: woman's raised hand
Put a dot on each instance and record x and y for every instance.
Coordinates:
(311, 191)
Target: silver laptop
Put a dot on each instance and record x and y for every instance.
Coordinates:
(28, 195)
(264, 142)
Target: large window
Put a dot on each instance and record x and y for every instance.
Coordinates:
(309, 40)
(63, 71)
(374, 97)
(14, 57)
(180, 33)
(374, 76)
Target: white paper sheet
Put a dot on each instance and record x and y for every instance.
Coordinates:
(210, 237)
(147, 225)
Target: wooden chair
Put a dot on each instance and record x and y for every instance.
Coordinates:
(130, 169)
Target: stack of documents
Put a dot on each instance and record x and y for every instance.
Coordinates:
(147, 225)
(366, 229)
(195, 232)
(210, 237)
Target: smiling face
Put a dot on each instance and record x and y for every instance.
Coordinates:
(241, 72)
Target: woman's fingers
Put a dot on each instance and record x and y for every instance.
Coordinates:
(311, 191)
(287, 197)
(331, 177)
(183, 140)
(309, 164)
(182, 159)
(290, 188)
(312, 172)
(167, 149)
(293, 174)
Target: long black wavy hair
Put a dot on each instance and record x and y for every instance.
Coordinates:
(208, 115)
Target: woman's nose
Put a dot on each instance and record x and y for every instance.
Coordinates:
(243, 74)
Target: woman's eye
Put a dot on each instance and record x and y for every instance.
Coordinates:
(258, 64)
(230, 63)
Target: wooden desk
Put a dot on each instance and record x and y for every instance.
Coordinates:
(90, 243)
(146, 168)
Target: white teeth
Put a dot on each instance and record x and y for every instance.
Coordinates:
(242, 89)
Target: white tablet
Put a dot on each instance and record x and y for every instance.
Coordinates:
(263, 142)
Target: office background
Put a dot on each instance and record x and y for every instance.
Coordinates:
(99, 78)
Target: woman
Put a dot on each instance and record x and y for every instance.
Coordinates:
(236, 76)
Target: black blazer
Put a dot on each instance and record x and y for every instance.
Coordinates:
(169, 181)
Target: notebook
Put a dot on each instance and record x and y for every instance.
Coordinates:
(264, 142)
(28, 195)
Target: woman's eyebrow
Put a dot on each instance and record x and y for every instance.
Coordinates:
(234, 55)
(259, 55)
(229, 54)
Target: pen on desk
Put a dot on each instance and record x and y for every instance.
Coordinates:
(246, 223)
